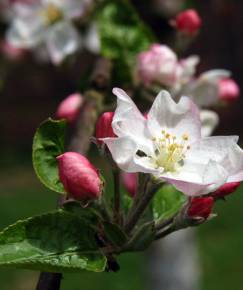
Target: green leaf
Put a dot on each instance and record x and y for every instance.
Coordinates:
(123, 35)
(144, 236)
(167, 202)
(47, 145)
(54, 242)
(114, 234)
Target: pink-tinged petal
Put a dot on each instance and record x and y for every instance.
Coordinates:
(176, 118)
(129, 121)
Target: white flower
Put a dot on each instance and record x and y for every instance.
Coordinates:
(168, 144)
(204, 90)
(48, 22)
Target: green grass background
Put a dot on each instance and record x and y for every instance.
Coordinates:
(220, 242)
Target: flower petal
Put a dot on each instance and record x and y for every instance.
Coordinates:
(128, 121)
(62, 40)
(123, 151)
(177, 118)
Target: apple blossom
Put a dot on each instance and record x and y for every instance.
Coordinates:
(79, 177)
(160, 65)
(47, 22)
(204, 90)
(70, 107)
(12, 52)
(168, 145)
(188, 22)
(200, 207)
(103, 126)
(226, 189)
(228, 90)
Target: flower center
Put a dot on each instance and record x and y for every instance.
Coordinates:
(52, 14)
(170, 151)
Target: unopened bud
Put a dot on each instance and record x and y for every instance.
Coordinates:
(228, 90)
(188, 22)
(69, 108)
(226, 189)
(130, 181)
(104, 126)
(79, 177)
(200, 207)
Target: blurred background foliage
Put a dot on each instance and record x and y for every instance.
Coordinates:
(31, 92)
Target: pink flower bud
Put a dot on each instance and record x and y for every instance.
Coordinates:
(226, 189)
(79, 177)
(200, 207)
(103, 126)
(130, 181)
(12, 52)
(69, 108)
(188, 22)
(228, 90)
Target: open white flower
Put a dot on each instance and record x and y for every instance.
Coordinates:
(48, 22)
(204, 90)
(168, 144)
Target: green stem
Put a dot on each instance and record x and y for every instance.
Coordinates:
(117, 196)
(138, 209)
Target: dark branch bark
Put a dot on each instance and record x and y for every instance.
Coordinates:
(49, 281)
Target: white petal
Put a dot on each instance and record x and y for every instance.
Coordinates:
(123, 151)
(73, 8)
(209, 121)
(175, 118)
(128, 121)
(26, 33)
(62, 40)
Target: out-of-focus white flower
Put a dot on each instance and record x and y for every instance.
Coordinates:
(204, 90)
(209, 121)
(168, 144)
(160, 65)
(48, 22)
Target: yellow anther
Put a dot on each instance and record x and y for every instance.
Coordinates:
(185, 137)
(53, 13)
(154, 139)
(167, 135)
(163, 131)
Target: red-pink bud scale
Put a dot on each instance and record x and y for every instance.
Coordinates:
(80, 178)
(188, 22)
(69, 108)
(226, 189)
(104, 126)
(200, 207)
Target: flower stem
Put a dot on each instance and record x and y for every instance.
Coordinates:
(117, 197)
(165, 233)
(140, 203)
